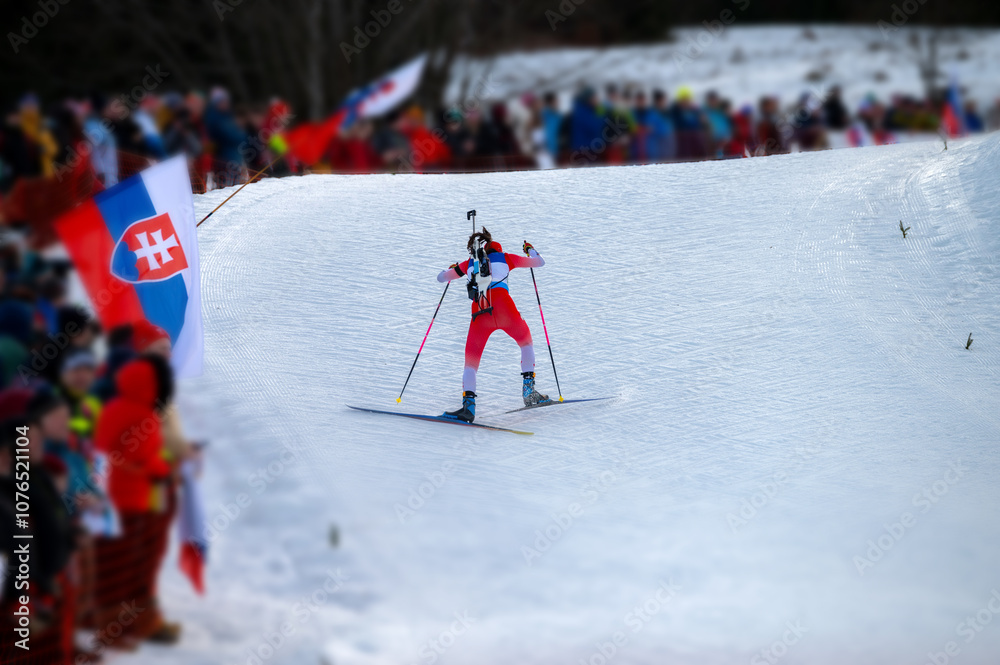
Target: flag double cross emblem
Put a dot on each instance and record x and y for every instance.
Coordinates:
(160, 248)
(149, 251)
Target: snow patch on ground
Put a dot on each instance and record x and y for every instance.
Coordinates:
(771, 341)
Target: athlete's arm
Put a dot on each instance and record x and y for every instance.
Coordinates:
(454, 272)
(532, 260)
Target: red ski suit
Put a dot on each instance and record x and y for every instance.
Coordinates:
(495, 311)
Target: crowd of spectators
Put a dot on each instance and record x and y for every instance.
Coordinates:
(632, 126)
(221, 142)
(224, 142)
(91, 442)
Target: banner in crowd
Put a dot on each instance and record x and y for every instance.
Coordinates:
(389, 91)
(136, 251)
(308, 141)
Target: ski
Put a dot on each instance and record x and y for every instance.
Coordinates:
(440, 419)
(557, 402)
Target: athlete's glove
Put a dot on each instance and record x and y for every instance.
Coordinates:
(527, 247)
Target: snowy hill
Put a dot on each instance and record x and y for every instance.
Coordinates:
(789, 377)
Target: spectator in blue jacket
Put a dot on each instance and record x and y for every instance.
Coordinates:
(668, 144)
(586, 124)
(227, 136)
(551, 122)
(720, 129)
(973, 121)
(650, 133)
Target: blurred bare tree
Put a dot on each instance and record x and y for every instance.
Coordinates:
(295, 49)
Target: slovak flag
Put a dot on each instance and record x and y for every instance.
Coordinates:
(308, 142)
(135, 249)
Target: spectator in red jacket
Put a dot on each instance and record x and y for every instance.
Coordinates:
(352, 151)
(129, 434)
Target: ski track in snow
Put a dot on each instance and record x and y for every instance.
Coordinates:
(751, 318)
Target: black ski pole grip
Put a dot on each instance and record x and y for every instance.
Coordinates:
(469, 215)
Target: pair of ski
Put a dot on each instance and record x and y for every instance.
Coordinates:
(455, 421)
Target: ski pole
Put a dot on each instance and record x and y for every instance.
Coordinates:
(400, 398)
(547, 342)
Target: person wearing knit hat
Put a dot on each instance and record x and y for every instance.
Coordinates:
(42, 408)
(150, 338)
(77, 359)
(52, 415)
(76, 379)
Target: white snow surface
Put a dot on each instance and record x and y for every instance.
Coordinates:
(768, 337)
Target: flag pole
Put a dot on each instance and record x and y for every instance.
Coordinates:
(255, 176)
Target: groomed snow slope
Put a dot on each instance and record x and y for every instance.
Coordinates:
(768, 336)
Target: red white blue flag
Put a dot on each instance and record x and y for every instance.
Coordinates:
(308, 142)
(136, 251)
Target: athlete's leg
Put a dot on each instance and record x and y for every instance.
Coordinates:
(509, 320)
(480, 330)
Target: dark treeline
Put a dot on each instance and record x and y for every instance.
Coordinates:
(311, 52)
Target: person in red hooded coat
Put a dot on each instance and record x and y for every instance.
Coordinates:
(130, 437)
(128, 432)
